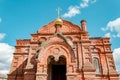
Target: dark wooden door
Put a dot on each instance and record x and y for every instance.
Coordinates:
(58, 72)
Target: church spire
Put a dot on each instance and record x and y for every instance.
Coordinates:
(58, 21)
(58, 10)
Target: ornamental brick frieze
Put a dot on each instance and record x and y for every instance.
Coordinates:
(87, 53)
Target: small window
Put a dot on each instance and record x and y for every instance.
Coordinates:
(96, 65)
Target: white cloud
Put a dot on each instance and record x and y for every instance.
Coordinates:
(116, 55)
(74, 10)
(4, 71)
(6, 52)
(113, 27)
(103, 29)
(84, 4)
(2, 35)
(0, 20)
(107, 35)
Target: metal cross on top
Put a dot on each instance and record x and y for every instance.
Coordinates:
(58, 10)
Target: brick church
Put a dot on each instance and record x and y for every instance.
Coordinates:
(62, 50)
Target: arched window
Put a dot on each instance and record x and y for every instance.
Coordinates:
(96, 64)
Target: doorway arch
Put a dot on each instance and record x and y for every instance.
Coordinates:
(56, 69)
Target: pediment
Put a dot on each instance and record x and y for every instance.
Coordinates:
(67, 27)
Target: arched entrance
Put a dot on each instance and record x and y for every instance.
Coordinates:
(57, 69)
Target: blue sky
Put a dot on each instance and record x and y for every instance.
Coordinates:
(20, 18)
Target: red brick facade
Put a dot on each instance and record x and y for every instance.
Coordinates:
(62, 50)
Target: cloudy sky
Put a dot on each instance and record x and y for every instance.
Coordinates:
(20, 18)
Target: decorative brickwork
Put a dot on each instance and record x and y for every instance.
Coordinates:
(62, 50)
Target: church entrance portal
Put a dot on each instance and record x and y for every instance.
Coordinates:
(57, 69)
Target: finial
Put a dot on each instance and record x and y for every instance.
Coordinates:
(58, 10)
